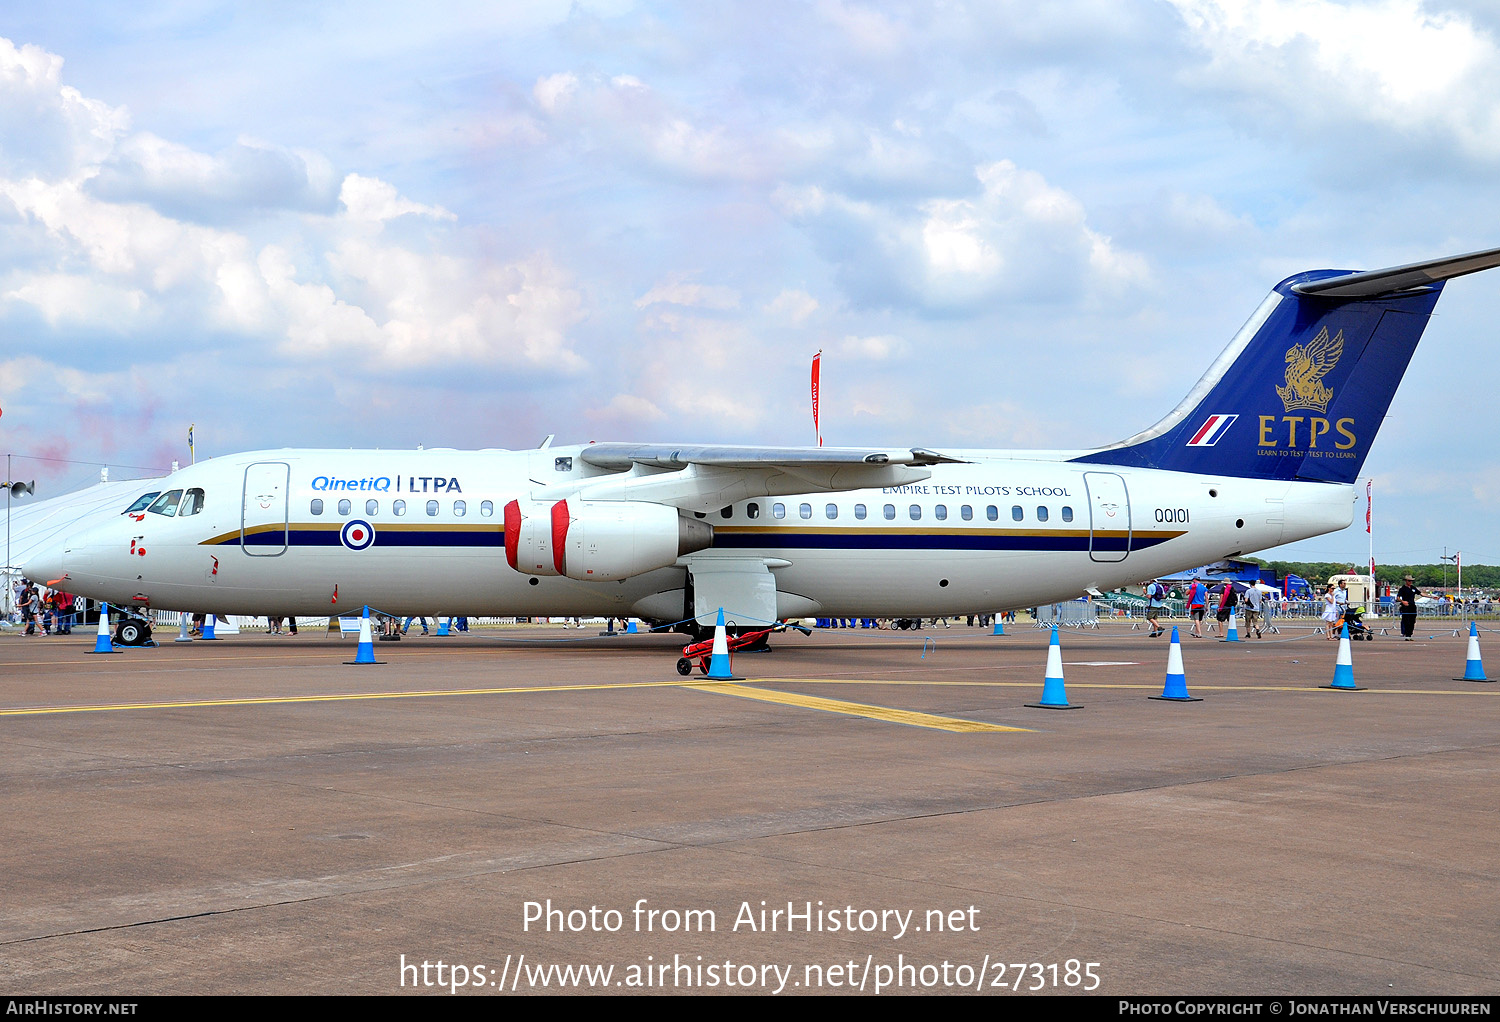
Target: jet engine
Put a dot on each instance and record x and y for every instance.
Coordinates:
(599, 540)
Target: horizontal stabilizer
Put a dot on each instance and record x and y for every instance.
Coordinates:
(1372, 283)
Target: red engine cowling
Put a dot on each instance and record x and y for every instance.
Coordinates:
(600, 540)
(528, 538)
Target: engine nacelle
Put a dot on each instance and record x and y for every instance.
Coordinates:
(605, 540)
(528, 538)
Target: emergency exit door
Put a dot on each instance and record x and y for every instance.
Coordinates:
(1109, 516)
(263, 520)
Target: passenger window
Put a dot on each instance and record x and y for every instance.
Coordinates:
(778, 510)
(372, 508)
(726, 512)
(486, 508)
(859, 512)
(344, 506)
(1016, 514)
(317, 506)
(967, 512)
(398, 508)
(832, 511)
(166, 504)
(460, 508)
(1041, 514)
(992, 513)
(192, 503)
(1067, 514)
(890, 512)
(915, 511)
(432, 508)
(940, 512)
(805, 510)
(752, 511)
(142, 502)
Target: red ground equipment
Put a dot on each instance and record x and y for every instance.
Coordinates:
(704, 651)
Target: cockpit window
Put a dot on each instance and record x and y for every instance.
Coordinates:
(166, 504)
(192, 503)
(142, 502)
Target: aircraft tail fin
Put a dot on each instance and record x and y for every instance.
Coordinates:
(1302, 389)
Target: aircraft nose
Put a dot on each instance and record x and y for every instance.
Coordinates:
(46, 565)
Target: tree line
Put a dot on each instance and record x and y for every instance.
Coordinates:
(1428, 576)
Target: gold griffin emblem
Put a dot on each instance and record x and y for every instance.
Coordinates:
(1305, 368)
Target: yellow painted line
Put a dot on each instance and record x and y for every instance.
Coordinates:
(340, 697)
(910, 717)
(1309, 687)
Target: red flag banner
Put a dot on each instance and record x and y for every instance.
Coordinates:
(1369, 503)
(817, 371)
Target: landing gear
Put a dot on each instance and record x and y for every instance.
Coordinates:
(133, 632)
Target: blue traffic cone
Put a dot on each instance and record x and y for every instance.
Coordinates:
(1054, 694)
(1176, 686)
(101, 641)
(443, 626)
(999, 626)
(719, 668)
(208, 629)
(1474, 667)
(1233, 635)
(630, 628)
(366, 652)
(1343, 668)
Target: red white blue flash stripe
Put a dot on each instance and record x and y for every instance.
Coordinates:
(1209, 433)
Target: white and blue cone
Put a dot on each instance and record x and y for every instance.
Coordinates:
(1343, 668)
(1233, 634)
(366, 652)
(101, 641)
(1474, 667)
(718, 662)
(1054, 693)
(1175, 690)
(182, 631)
(208, 628)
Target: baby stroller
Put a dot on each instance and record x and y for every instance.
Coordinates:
(1354, 618)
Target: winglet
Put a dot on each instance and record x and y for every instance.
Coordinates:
(1372, 283)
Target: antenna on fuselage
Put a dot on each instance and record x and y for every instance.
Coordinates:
(547, 442)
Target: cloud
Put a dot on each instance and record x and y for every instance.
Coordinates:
(111, 227)
(245, 178)
(1391, 65)
(1019, 237)
(791, 306)
(702, 296)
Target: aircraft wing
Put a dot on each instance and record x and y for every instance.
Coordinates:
(619, 457)
(708, 477)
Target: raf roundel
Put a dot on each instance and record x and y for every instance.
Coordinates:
(357, 534)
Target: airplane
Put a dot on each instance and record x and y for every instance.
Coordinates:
(1264, 450)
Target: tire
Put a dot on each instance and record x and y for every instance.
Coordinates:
(684, 666)
(131, 633)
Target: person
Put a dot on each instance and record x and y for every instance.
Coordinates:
(1341, 600)
(26, 603)
(1197, 600)
(423, 622)
(1227, 602)
(1154, 603)
(1406, 604)
(1331, 613)
(1254, 598)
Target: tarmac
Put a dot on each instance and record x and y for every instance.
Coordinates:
(866, 811)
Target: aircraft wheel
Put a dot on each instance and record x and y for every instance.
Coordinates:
(131, 633)
(684, 666)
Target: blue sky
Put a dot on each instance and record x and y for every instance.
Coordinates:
(1005, 224)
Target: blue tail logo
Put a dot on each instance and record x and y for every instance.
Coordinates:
(1305, 369)
(1302, 389)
